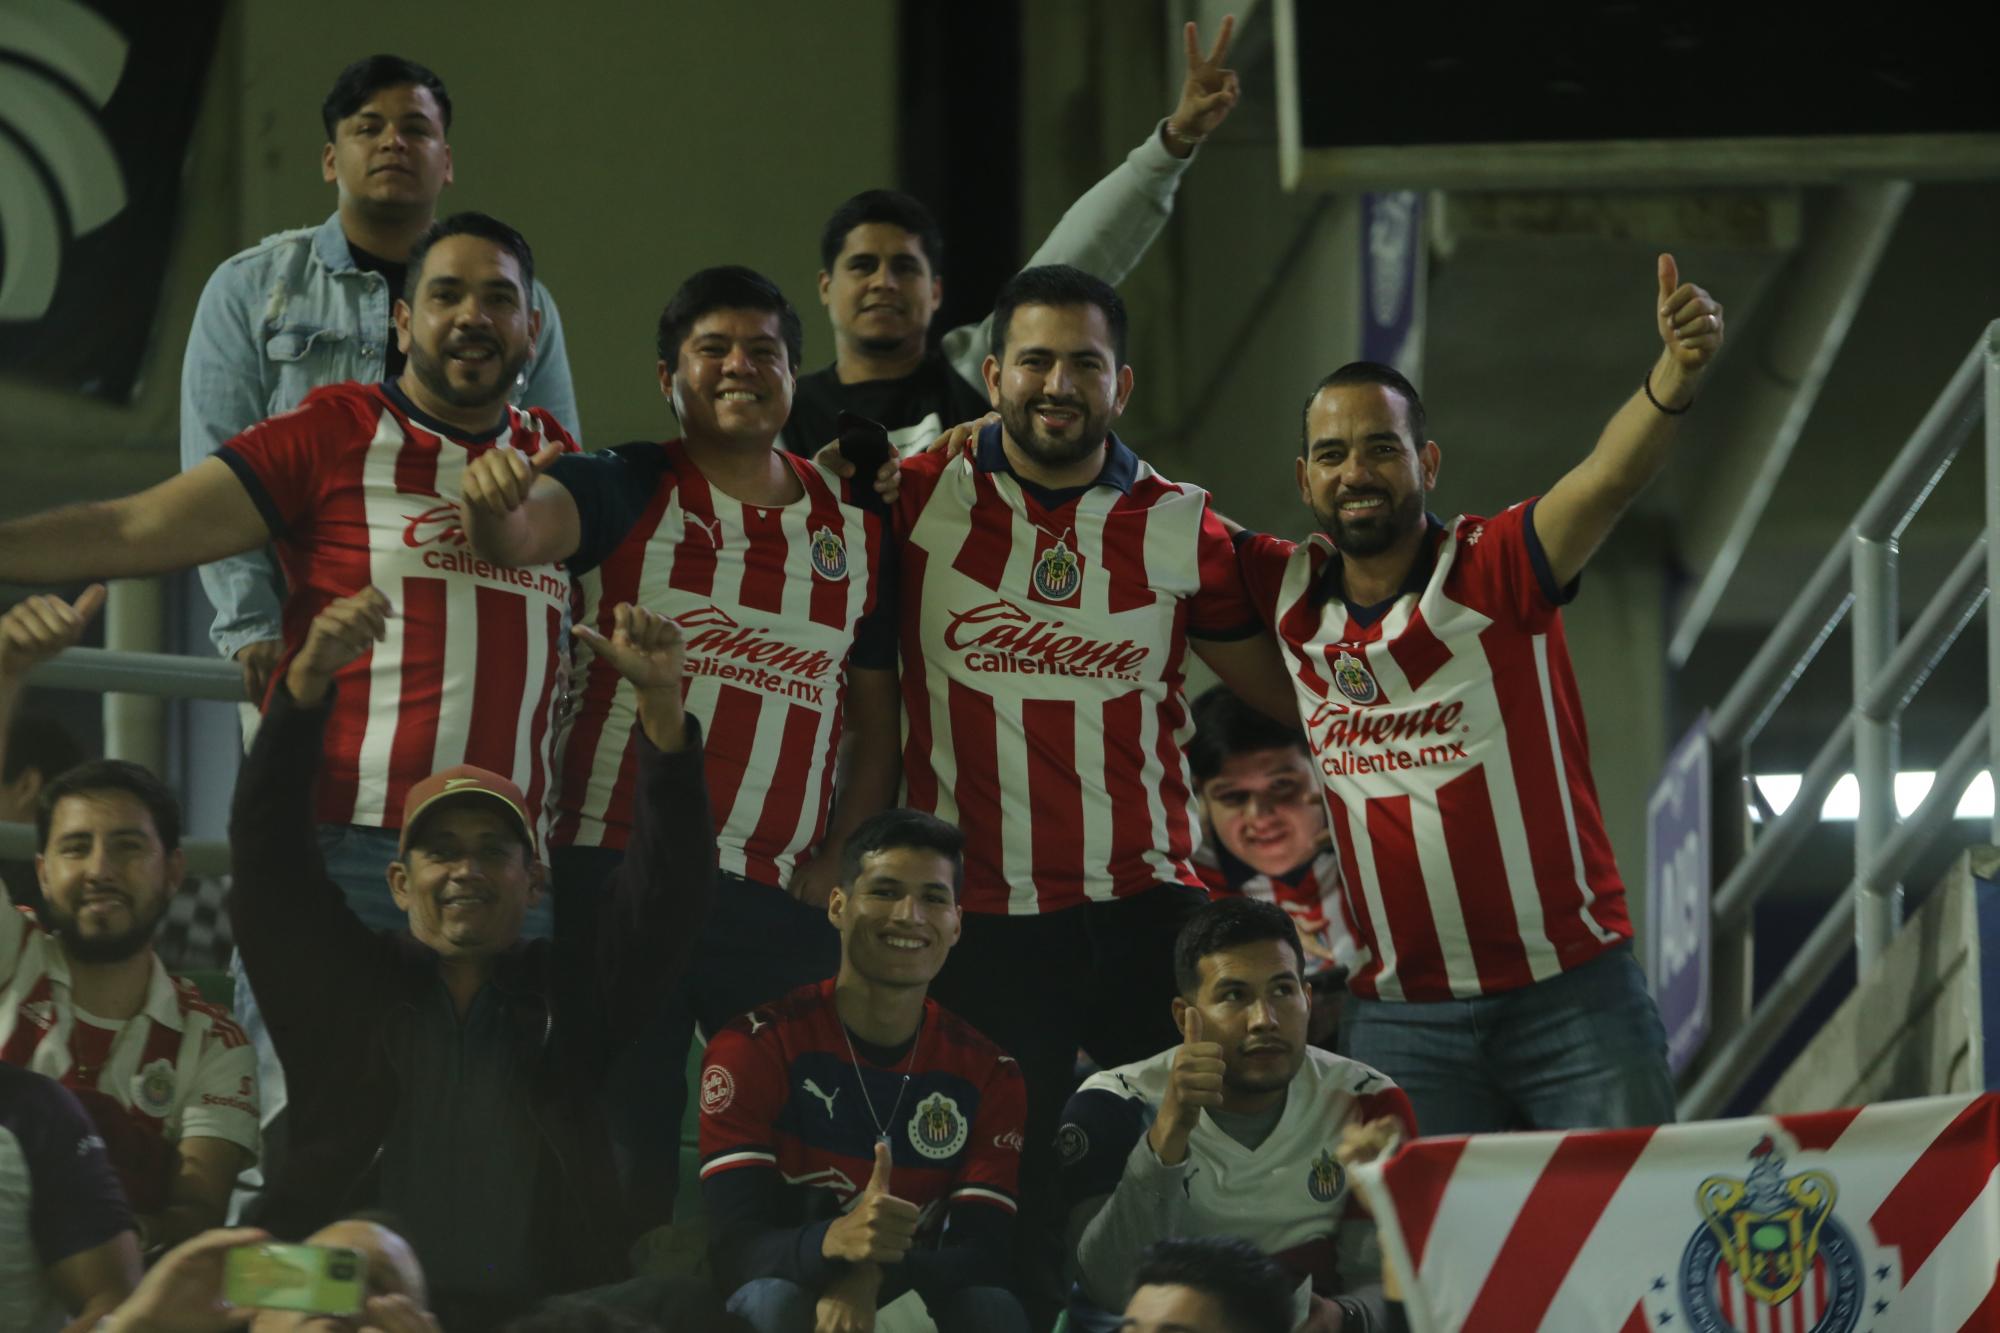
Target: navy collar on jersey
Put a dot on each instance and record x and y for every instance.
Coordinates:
(1332, 584)
(436, 427)
(1120, 470)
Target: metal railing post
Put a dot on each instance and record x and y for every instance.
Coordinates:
(1873, 626)
(1993, 564)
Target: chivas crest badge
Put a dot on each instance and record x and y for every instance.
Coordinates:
(1771, 1239)
(1351, 678)
(153, 1089)
(937, 1128)
(829, 554)
(1327, 1177)
(1058, 573)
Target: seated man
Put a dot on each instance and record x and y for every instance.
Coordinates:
(451, 1074)
(1208, 1284)
(857, 1140)
(67, 1248)
(169, 1079)
(1264, 836)
(1233, 1132)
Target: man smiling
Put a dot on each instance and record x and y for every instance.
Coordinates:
(857, 1140)
(451, 1074)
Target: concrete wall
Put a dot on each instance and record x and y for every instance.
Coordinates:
(1917, 1025)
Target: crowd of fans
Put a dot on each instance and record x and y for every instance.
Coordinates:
(847, 736)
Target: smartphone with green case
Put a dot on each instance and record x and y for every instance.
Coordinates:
(314, 1279)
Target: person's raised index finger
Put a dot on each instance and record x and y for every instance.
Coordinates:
(1222, 40)
(1190, 39)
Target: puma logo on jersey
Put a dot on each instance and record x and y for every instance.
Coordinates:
(1366, 1080)
(826, 1097)
(756, 1022)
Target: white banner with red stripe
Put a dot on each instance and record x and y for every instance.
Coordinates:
(1872, 1220)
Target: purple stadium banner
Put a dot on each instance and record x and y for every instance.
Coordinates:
(1677, 895)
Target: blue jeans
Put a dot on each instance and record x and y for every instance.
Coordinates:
(1581, 1050)
(773, 1305)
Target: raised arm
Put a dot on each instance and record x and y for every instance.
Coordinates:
(1579, 511)
(34, 630)
(1255, 672)
(513, 514)
(1111, 225)
(190, 519)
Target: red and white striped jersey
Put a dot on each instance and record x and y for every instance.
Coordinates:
(1310, 895)
(773, 602)
(1884, 1217)
(1044, 645)
(1450, 737)
(178, 1069)
(360, 488)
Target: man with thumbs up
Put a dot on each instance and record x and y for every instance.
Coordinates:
(1495, 979)
(864, 1072)
(1234, 1132)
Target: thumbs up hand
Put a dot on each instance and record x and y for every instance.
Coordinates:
(498, 481)
(1690, 325)
(879, 1228)
(1196, 1081)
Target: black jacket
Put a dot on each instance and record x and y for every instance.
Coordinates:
(332, 991)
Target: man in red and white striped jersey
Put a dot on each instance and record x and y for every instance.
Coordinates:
(1495, 981)
(776, 578)
(356, 487)
(1052, 585)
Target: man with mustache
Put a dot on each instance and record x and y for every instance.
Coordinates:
(1052, 585)
(316, 306)
(1495, 979)
(1232, 1133)
(170, 1080)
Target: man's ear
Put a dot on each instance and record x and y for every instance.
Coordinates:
(326, 171)
(399, 884)
(825, 287)
(1180, 1008)
(990, 369)
(836, 906)
(1124, 391)
(400, 312)
(538, 882)
(1429, 458)
(177, 864)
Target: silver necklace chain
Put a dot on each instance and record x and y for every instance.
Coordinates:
(881, 1126)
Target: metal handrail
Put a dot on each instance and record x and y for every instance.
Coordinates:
(1858, 576)
(1831, 939)
(111, 671)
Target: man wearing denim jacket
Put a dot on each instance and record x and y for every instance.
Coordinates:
(312, 306)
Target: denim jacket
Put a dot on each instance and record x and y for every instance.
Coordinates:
(280, 319)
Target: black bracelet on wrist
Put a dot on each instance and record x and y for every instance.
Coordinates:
(1646, 385)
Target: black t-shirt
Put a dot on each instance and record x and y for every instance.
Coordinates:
(394, 273)
(916, 409)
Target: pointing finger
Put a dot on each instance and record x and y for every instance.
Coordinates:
(1189, 39)
(1222, 39)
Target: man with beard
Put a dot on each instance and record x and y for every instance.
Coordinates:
(357, 487)
(1052, 585)
(316, 306)
(1235, 1132)
(170, 1081)
(882, 275)
(1495, 979)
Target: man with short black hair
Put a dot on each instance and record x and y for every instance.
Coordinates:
(882, 276)
(1053, 584)
(1233, 1132)
(858, 1140)
(316, 306)
(779, 577)
(452, 1073)
(1207, 1284)
(34, 748)
(170, 1080)
(1495, 979)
